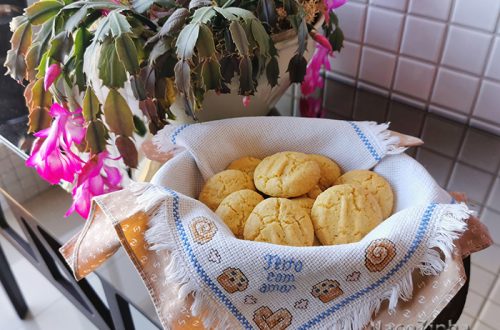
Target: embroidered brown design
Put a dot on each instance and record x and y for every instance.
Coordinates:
(265, 319)
(203, 230)
(250, 300)
(353, 277)
(379, 254)
(327, 290)
(232, 280)
(301, 304)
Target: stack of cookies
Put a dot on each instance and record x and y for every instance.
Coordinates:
(296, 199)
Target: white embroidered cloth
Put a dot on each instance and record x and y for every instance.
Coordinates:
(266, 286)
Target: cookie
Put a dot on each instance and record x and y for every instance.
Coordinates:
(344, 214)
(287, 174)
(330, 171)
(236, 208)
(305, 202)
(314, 192)
(327, 290)
(245, 164)
(233, 280)
(279, 221)
(375, 184)
(222, 184)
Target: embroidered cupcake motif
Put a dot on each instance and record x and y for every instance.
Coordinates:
(327, 290)
(266, 319)
(379, 254)
(233, 280)
(203, 230)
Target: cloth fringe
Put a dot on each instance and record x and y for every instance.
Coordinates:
(162, 139)
(388, 143)
(450, 225)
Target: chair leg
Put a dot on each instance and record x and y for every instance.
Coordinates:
(11, 287)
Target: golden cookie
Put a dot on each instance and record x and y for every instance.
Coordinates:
(279, 221)
(314, 192)
(305, 202)
(375, 184)
(330, 171)
(222, 184)
(245, 164)
(286, 174)
(344, 214)
(236, 208)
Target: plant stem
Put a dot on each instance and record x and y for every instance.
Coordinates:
(228, 3)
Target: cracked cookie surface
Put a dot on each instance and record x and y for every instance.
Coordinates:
(330, 171)
(374, 184)
(279, 221)
(287, 174)
(245, 164)
(236, 208)
(222, 184)
(344, 214)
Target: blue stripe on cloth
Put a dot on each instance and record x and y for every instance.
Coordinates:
(365, 141)
(173, 137)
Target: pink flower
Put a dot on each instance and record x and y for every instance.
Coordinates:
(96, 178)
(53, 71)
(246, 101)
(334, 4)
(311, 107)
(313, 79)
(322, 40)
(105, 12)
(51, 155)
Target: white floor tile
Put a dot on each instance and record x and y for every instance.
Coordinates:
(473, 303)
(495, 293)
(490, 314)
(61, 315)
(8, 316)
(481, 326)
(465, 321)
(488, 259)
(481, 281)
(37, 290)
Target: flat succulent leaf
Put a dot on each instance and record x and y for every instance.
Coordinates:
(240, 12)
(128, 151)
(246, 76)
(302, 37)
(142, 6)
(138, 88)
(140, 128)
(297, 68)
(91, 105)
(103, 30)
(118, 24)
(39, 97)
(127, 53)
(96, 4)
(260, 36)
(183, 77)
(22, 38)
(210, 72)
(16, 65)
(273, 72)
(41, 11)
(203, 15)
(38, 119)
(336, 39)
(32, 61)
(60, 46)
(239, 37)
(96, 136)
(174, 22)
(76, 18)
(199, 3)
(159, 49)
(226, 14)
(111, 70)
(205, 43)
(82, 41)
(118, 114)
(187, 40)
(334, 19)
(266, 11)
(228, 66)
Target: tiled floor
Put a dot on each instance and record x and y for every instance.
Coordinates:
(460, 158)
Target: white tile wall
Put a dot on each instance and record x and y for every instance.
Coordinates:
(443, 55)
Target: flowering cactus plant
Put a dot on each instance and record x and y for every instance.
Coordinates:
(85, 62)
